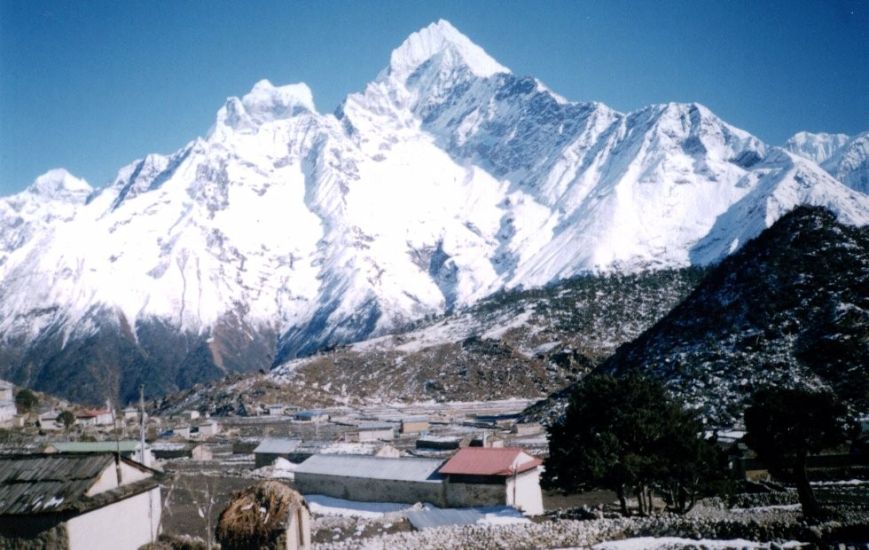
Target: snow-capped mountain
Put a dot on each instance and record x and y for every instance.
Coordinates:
(53, 198)
(846, 158)
(446, 179)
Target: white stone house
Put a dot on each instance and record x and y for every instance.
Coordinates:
(87, 502)
(7, 392)
(7, 401)
(209, 428)
(95, 417)
(131, 414)
(371, 431)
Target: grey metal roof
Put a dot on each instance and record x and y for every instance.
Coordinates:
(277, 446)
(372, 467)
(312, 412)
(125, 446)
(365, 426)
(438, 517)
(47, 483)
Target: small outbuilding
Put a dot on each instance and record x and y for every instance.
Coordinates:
(371, 431)
(209, 428)
(415, 425)
(526, 428)
(271, 449)
(84, 501)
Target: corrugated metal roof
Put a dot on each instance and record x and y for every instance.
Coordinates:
(47, 483)
(125, 446)
(482, 461)
(372, 467)
(277, 446)
(312, 412)
(440, 517)
(366, 426)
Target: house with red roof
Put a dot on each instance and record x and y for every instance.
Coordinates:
(478, 476)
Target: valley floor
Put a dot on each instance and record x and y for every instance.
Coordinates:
(199, 490)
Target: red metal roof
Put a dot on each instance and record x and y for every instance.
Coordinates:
(480, 461)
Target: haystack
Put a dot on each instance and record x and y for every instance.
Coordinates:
(266, 515)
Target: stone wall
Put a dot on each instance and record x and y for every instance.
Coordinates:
(466, 495)
(370, 490)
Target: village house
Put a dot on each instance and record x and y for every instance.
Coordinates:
(48, 421)
(526, 428)
(276, 410)
(414, 425)
(94, 417)
(314, 415)
(170, 450)
(486, 440)
(271, 449)
(87, 502)
(371, 431)
(131, 414)
(180, 431)
(7, 392)
(510, 476)
(190, 415)
(7, 401)
(127, 448)
(209, 428)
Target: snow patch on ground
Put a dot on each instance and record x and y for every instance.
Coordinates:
(329, 506)
(668, 543)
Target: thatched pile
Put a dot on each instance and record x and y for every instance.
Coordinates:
(256, 517)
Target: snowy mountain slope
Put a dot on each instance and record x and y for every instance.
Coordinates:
(843, 157)
(448, 178)
(53, 198)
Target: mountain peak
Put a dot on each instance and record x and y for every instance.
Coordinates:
(59, 184)
(438, 38)
(815, 146)
(265, 103)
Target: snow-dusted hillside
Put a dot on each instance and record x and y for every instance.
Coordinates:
(789, 309)
(448, 178)
(846, 158)
(517, 343)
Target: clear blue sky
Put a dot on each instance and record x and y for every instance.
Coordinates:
(92, 85)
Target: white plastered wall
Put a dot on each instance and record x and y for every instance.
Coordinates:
(523, 492)
(126, 524)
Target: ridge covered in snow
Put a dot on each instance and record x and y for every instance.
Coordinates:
(447, 179)
(846, 158)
